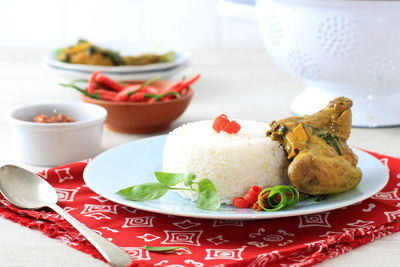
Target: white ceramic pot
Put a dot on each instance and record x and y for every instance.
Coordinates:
(338, 48)
(51, 144)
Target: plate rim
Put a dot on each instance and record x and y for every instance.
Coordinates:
(214, 214)
(120, 76)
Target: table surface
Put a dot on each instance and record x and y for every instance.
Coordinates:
(243, 83)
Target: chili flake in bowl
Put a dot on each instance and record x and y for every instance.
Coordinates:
(52, 119)
(137, 106)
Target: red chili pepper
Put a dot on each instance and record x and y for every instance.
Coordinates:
(151, 100)
(92, 79)
(188, 83)
(220, 123)
(143, 85)
(123, 95)
(102, 79)
(174, 86)
(184, 91)
(167, 98)
(125, 92)
(232, 127)
(172, 89)
(106, 94)
(150, 89)
(138, 97)
(159, 97)
(240, 202)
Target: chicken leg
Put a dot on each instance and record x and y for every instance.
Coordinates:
(322, 163)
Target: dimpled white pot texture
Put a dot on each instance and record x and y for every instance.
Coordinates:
(338, 48)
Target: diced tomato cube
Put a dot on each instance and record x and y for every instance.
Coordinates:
(250, 198)
(220, 123)
(255, 190)
(240, 202)
(232, 127)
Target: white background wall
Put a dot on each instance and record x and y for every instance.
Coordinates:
(185, 23)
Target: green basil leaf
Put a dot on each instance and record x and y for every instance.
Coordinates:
(170, 179)
(207, 197)
(208, 200)
(206, 184)
(126, 192)
(165, 249)
(146, 191)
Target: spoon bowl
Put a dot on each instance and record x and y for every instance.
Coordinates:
(26, 190)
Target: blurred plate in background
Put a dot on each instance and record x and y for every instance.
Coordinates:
(83, 71)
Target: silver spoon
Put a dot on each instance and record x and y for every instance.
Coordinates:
(26, 190)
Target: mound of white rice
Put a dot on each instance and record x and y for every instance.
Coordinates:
(234, 163)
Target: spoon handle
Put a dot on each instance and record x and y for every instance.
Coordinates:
(116, 256)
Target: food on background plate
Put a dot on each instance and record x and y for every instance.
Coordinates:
(321, 161)
(59, 118)
(85, 52)
(100, 86)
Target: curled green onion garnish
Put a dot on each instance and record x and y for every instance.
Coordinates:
(279, 197)
(293, 193)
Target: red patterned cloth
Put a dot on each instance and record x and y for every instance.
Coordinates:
(294, 241)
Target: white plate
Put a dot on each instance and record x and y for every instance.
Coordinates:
(182, 57)
(135, 162)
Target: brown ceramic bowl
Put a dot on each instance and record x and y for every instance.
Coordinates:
(131, 117)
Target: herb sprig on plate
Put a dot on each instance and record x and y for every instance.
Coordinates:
(207, 197)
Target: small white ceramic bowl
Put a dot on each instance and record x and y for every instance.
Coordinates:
(51, 144)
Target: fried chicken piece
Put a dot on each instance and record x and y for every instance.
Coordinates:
(322, 163)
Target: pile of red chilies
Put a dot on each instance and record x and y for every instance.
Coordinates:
(102, 87)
